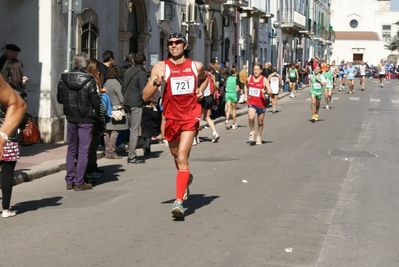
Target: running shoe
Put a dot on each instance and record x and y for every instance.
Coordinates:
(198, 140)
(327, 107)
(274, 109)
(252, 137)
(215, 138)
(187, 192)
(194, 141)
(313, 118)
(316, 118)
(258, 140)
(331, 100)
(234, 126)
(178, 209)
(226, 124)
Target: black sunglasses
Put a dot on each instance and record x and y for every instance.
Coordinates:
(177, 42)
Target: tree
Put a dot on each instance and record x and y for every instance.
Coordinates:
(394, 44)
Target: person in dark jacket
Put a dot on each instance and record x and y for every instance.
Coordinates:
(149, 125)
(77, 92)
(134, 81)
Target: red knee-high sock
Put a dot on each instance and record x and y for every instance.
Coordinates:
(182, 178)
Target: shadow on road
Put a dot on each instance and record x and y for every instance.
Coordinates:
(194, 202)
(31, 205)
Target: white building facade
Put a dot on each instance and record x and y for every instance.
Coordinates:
(362, 29)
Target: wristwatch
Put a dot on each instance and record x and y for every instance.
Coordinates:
(155, 83)
(5, 136)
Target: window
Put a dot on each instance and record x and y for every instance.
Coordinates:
(89, 39)
(353, 23)
(386, 33)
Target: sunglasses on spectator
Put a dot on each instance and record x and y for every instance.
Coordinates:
(177, 42)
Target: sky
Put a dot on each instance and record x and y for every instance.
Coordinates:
(394, 5)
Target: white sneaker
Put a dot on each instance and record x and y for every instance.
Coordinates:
(194, 141)
(235, 126)
(215, 138)
(292, 95)
(327, 107)
(252, 137)
(8, 213)
(198, 140)
(331, 100)
(226, 124)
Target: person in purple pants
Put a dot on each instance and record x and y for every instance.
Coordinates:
(78, 93)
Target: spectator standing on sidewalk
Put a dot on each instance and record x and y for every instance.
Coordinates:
(255, 89)
(77, 92)
(185, 81)
(92, 170)
(12, 51)
(9, 147)
(108, 60)
(133, 84)
(113, 127)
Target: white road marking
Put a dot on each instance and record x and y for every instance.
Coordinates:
(395, 101)
(354, 98)
(375, 100)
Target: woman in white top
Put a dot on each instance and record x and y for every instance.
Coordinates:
(362, 74)
(381, 72)
(275, 82)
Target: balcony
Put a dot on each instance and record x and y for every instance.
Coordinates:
(207, 2)
(236, 3)
(292, 19)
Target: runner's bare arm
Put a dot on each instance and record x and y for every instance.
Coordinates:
(16, 108)
(246, 89)
(156, 77)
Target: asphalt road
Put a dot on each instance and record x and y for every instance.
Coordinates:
(314, 194)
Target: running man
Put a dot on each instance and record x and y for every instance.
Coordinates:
(381, 72)
(329, 76)
(341, 75)
(275, 82)
(317, 81)
(351, 73)
(362, 74)
(255, 89)
(292, 74)
(184, 83)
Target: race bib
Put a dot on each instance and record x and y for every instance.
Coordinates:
(254, 92)
(350, 75)
(328, 84)
(292, 74)
(182, 85)
(316, 86)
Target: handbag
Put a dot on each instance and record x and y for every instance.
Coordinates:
(118, 112)
(30, 133)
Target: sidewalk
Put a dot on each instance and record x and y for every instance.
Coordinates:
(40, 160)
